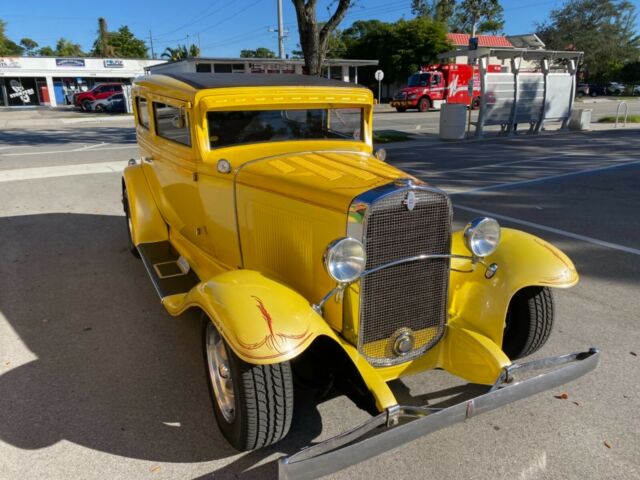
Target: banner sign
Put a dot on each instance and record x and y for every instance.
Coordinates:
(69, 62)
(20, 93)
(9, 62)
(111, 63)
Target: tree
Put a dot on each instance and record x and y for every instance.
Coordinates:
(603, 29)
(440, 10)
(314, 38)
(180, 52)
(29, 46)
(121, 43)
(66, 48)
(8, 47)
(47, 52)
(260, 52)
(478, 16)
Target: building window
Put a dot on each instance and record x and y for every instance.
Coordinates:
(143, 112)
(172, 123)
(203, 67)
(222, 68)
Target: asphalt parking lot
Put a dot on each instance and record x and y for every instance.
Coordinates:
(97, 381)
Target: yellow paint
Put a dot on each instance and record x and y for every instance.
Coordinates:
(146, 222)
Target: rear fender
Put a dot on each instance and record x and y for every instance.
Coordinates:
(480, 304)
(265, 322)
(147, 224)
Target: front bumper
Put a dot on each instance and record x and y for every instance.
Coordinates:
(404, 103)
(402, 424)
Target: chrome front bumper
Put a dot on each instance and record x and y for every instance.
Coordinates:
(402, 424)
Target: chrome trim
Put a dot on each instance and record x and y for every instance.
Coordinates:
(424, 256)
(359, 444)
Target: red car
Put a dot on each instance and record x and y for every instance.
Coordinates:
(100, 91)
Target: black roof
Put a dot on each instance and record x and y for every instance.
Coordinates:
(222, 80)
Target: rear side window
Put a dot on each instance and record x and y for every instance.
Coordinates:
(172, 123)
(143, 112)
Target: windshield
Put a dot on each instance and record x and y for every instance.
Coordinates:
(419, 80)
(235, 128)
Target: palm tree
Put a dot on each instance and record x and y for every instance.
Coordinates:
(180, 52)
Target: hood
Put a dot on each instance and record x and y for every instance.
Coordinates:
(327, 179)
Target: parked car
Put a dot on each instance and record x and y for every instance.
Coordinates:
(615, 88)
(582, 90)
(597, 90)
(117, 105)
(635, 90)
(100, 91)
(259, 202)
(106, 104)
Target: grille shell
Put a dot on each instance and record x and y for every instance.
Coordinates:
(410, 297)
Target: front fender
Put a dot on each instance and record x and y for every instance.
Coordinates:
(480, 304)
(266, 322)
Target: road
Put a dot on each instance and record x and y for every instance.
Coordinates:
(97, 381)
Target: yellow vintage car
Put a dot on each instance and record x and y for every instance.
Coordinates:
(258, 201)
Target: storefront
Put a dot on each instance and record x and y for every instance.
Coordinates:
(33, 81)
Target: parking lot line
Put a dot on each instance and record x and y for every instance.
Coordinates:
(37, 173)
(74, 150)
(499, 186)
(564, 233)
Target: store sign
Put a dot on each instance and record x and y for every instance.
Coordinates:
(69, 62)
(113, 63)
(9, 62)
(20, 92)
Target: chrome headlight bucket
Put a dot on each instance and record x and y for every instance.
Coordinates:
(482, 236)
(345, 259)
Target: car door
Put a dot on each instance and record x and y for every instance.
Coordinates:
(170, 166)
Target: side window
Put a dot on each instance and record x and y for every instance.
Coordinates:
(172, 123)
(98, 90)
(117, 88)
(143, 112)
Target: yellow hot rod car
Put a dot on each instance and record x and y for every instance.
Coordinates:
(258, 200)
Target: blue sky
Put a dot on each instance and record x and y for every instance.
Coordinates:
(222, 27)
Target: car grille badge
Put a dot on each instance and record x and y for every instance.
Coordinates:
(410, 200)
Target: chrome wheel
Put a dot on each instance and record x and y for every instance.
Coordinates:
(220, 373)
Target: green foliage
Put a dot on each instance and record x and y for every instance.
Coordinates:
(486, 14)
(29, 46)
(260, 52)
(181, 52)
(401, 47)
(8, 47)
(47, 52)
(630, 72)
(121, 43)
(603, 29)
(66, 48)
(440, 10)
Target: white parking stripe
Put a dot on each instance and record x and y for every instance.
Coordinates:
(74, 150)
(37, 173)
(543, 179)
(557, 231)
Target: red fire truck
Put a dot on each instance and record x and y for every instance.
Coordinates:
(434, 85)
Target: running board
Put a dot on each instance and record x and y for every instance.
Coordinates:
(170, 273)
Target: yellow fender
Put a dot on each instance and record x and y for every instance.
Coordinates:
(265, 322)
(146, 221)
(479, 304)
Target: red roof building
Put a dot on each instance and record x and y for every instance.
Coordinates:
(462, 40)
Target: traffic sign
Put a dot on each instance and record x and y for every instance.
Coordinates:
(379, 75)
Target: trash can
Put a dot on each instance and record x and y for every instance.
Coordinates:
(580, 119)
(453, 121)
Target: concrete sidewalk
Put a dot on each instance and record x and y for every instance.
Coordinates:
(44, 117)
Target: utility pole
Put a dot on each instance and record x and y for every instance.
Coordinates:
(153, 55)
(280, 31)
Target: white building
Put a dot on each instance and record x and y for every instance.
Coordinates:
(338, 69)
(29, 81)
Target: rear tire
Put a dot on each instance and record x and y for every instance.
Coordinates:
(475, 103)
(424, 104)
(253, 404)
(86, 106)
(529, 322)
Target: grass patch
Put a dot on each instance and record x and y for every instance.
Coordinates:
(612, 119)
(388, 136)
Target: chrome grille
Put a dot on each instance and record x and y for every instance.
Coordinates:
(410, 297)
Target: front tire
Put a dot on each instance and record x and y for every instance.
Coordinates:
(424, 104)
(529, 322)
(86, 106)
(253, 404)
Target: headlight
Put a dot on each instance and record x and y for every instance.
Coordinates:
(345, 259)
(482, 236)
(411, 96)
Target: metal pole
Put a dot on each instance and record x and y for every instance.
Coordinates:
(379, 82)
(280, 31)
(153, 55)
